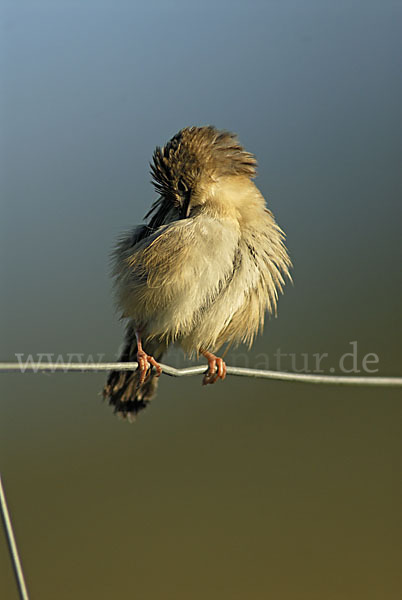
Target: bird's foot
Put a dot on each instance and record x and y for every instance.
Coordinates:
(216, 368)
(145, 363)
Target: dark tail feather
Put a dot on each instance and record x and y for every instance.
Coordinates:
(122, 388)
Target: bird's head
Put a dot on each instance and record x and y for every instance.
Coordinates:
(187, 168)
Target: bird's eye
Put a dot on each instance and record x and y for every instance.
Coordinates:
(181, 186)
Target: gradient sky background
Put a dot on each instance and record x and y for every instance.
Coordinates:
(249, 489)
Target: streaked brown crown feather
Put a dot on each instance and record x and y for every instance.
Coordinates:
(199, 150)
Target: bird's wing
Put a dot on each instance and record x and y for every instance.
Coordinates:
(166, 277)
(129, 240)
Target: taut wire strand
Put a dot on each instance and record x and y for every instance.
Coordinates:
(15, 559)
(196, 370)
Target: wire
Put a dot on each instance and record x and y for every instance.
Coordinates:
(15, 559)
(196, 370)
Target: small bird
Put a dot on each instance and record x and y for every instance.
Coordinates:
(203, 270)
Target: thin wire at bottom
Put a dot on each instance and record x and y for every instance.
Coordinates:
(12, 545)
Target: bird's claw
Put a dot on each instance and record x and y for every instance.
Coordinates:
(216, 369)
(145, 364)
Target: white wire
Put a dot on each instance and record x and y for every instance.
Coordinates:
(196, 370)
(12, 545)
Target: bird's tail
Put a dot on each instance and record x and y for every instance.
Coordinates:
(122, 389)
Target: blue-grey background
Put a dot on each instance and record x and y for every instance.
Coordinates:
(248, 489)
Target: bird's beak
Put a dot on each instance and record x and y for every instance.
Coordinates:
(185, 206)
